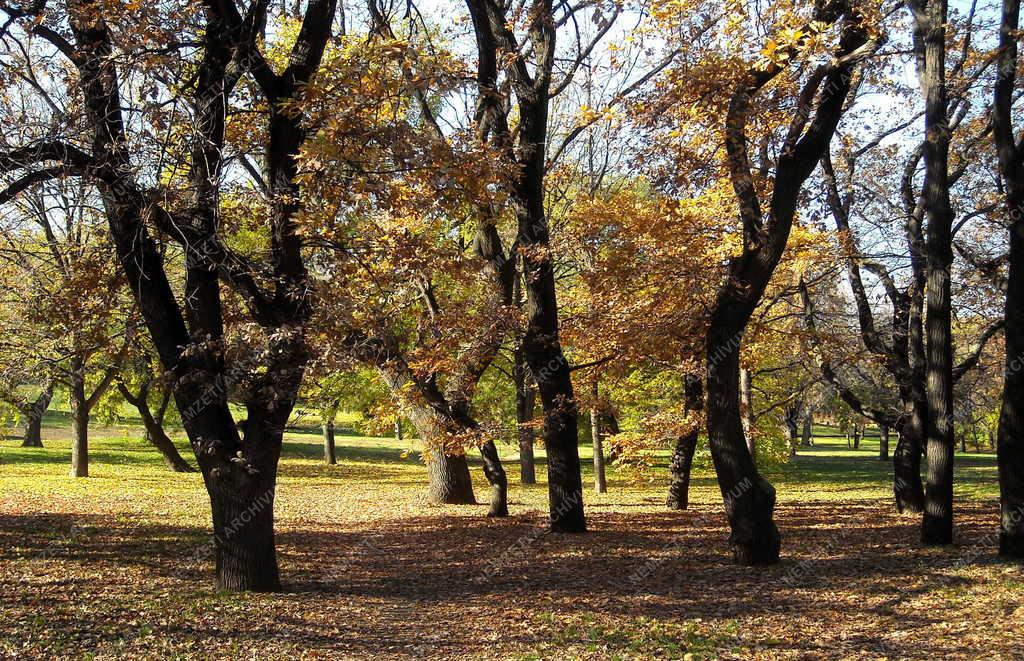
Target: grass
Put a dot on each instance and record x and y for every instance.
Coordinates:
(117, 565)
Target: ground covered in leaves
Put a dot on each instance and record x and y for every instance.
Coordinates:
(119, 565)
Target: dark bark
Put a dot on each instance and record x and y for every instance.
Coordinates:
(33, 437)
(541, 349)
(883, 442)
(1010, 434)
(495, 474)
(682, 456)
(749, 498)
(930, 45)
(239, 475)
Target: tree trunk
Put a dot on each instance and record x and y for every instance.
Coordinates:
(930, 41)
(80, 425)
(883, 442)
(806, 438)
(856, 436)
(749, 499)
(330, 457)
(1010, 436)
(686, 445)
(600, 484)
(907, 486)
(34, 419)
(243, 527)
(497, 478)
(398, 430)
(792, 420)
(449, 480)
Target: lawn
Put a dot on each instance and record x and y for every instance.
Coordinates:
(118, 565)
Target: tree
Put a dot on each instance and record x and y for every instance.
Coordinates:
(64, 312)
(749, 498)
(239, 470)
(1010, 440)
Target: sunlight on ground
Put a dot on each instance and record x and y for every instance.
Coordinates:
(119, 564)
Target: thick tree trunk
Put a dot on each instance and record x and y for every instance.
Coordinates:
(930, 42)
(937, 526)
(243, 527)
(449, 480)
(33, 437)
(749, 499)
(1010, 438)
(1010, 435)
(600, 484)
(330, 457)
(883, 442)
(806, 437)
(686, 445)
(856, 436)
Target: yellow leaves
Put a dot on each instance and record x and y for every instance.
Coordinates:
(589, 115)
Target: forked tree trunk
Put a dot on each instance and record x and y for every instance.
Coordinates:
(34, 419)
(330, 457)
(883, 442)
(686, 445)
